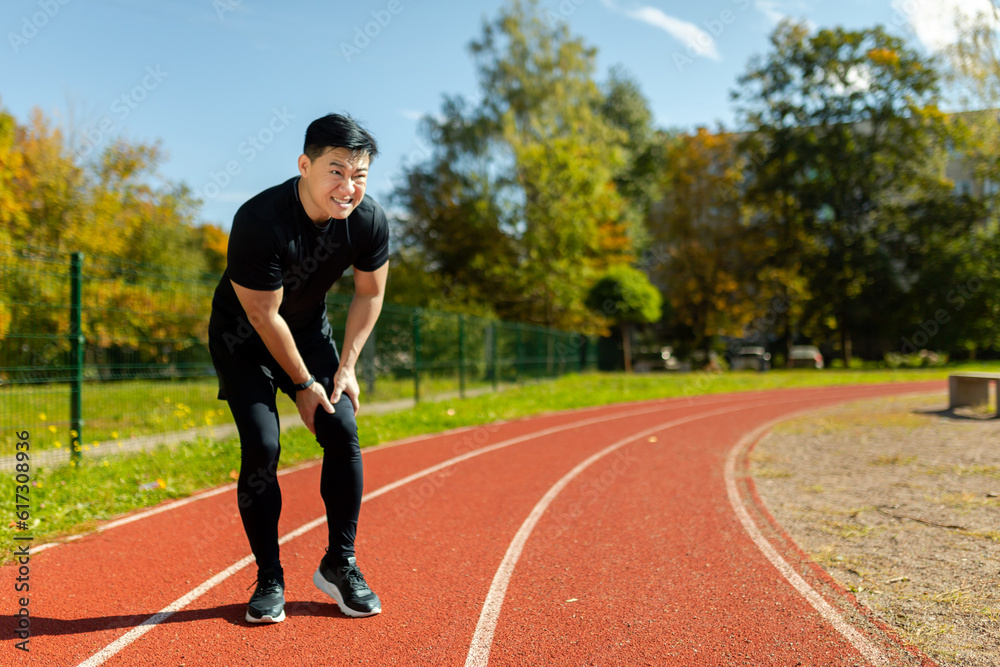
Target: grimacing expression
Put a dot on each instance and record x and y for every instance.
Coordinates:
(335, 181)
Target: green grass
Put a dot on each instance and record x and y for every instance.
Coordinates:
(65, 499)
(133, 408)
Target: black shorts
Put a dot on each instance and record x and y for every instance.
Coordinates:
(249, 361)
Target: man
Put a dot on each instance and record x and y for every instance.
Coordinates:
(269, 330)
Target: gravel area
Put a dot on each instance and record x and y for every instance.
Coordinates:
(899, 501)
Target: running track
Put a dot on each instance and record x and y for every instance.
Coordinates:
(628, 534)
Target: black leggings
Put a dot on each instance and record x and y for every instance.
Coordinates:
(249, 383)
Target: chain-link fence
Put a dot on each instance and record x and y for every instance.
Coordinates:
(96, 349)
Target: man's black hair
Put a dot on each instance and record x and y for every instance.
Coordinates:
(337, 131)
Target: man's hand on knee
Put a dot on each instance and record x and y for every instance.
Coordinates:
(345, 382)
(308, 400)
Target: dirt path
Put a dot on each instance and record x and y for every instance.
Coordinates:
(899, 501)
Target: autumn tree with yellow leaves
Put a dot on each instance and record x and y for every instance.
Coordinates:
(144, 255)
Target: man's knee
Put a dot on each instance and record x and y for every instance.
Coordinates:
(260, 449)
(339, 429)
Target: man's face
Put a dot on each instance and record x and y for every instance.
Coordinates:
(334, 182)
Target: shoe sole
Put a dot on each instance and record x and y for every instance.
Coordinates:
(266, 618)
(334, 592)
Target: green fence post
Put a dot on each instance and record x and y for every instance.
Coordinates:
(550, 353)
(76, 356)
(519, 363)
(494, 343)
(416, 355)
(461, 356)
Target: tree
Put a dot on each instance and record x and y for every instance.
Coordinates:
(13, 206)
(849, 127)
(139, 240)
(519, 204)
(625, 296)
(624, 107)
(215, 245)
(972, 67)
(699, 236)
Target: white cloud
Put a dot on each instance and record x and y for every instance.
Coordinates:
(697, 40)
(770, 9)
(934, 21)
(775, 11)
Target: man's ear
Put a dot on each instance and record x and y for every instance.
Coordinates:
(304, 164)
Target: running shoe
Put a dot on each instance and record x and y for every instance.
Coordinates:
(267, 604)
(346, 584)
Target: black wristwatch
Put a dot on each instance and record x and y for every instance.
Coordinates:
(305, 385)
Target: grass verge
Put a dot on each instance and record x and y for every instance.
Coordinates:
(66, 499)
(136, 408)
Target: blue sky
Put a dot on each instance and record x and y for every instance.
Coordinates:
(229, 86)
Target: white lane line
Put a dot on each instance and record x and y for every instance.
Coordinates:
(101, 656)
(159, 509)
(666, 403)
(859, 641)
(135, 633)
(482, 639)
(662, 403)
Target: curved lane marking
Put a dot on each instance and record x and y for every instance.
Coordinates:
(159, 509)
(859, 641)
(864, 646)
(664, 403)
(482, 639)
(135, 633)
(110, 650)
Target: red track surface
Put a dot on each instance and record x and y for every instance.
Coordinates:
(624, 535)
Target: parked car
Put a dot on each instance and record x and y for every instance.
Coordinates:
(660, 359)
(805, 356)
(753, 358)
(670, 362)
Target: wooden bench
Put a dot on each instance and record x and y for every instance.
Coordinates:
(971, 389)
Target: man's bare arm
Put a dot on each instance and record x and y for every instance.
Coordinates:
(262, 310)
(369, 292)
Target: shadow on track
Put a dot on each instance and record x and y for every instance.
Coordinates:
(230, 613)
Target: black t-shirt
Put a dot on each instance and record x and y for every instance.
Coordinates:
(273, 244)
